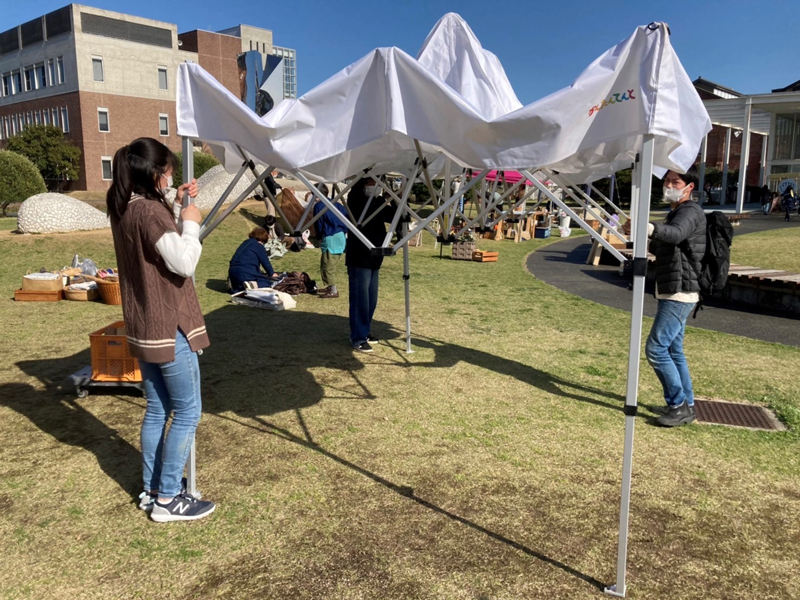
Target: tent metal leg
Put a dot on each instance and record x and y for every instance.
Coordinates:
(187, 149)
(407, 286)
(645, 173)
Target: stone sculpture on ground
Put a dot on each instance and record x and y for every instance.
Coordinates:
(58, 213)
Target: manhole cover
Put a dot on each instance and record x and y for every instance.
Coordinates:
(736, 415)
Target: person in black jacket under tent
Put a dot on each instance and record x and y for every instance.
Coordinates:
(363, 267)
(679, 244)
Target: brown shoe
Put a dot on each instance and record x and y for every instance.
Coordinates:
(329, 294)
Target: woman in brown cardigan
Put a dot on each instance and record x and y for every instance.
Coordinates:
(157, 250)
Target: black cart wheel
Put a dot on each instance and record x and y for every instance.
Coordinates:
(82, 393)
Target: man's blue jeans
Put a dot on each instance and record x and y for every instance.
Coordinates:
(170, 388)
(363, 300)
(664, 351)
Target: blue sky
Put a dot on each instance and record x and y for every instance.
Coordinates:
(543, 46)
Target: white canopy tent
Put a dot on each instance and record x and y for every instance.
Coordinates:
(452, 110)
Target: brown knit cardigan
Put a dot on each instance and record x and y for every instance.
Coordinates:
(155, 301)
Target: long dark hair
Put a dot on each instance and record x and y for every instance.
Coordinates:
(137, 168)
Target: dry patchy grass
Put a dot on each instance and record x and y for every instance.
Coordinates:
(485, 465)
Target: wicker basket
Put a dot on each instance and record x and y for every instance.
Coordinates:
(109, 291)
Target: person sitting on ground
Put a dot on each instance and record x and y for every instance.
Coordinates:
(275, 231)
(331, 230)
(247, 261)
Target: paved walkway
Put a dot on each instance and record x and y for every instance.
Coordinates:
(563, 265)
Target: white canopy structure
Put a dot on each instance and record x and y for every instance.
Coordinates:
(452, 110)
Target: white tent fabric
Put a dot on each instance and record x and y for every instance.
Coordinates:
(635, 103)
(457, 101)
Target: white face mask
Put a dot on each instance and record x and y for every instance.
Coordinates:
(673, 195)
(370, 190)
(169, 181)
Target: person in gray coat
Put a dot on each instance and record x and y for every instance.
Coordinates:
(679, 244)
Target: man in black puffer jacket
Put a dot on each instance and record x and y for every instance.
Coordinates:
(679, 244)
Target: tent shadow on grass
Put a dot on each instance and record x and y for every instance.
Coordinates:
(260, 363)
(60, 416)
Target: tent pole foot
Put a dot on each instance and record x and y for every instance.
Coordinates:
(612, 591)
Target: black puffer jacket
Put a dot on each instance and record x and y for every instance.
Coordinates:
(679, 244)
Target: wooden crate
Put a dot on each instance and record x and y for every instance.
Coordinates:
(38, 295)
(484, 256)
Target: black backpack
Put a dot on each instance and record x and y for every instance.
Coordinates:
(716, 261)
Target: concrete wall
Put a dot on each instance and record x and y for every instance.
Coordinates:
(129, 68)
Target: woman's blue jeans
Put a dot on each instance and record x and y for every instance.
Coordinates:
(363, 284)
(170, 388)
(664, 351)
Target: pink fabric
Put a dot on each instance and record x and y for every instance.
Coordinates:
(511, 177)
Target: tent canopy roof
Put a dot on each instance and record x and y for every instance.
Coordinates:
(456, 100)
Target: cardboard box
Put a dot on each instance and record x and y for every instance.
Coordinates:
(33, 282)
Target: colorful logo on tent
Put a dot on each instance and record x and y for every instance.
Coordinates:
(612, 99)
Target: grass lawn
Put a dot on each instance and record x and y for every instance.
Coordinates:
(485, 465)
(768, 249)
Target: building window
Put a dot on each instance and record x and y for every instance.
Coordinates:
(37, 117)
(7, 85)
(60, 69)
(64, 120)
(105, 165)
(97, 68)
(29, 119)
(162, 78)
(16, 82)
(30, 79)
(51, 71)
(163, 124)
(41, 76)
(54, 116)
(46, 117)
(102, 119)
(787, 137)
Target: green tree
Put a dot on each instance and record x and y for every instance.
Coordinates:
(55, 157)
(19, 179)
(202, 163)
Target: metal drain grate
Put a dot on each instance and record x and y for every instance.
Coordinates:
(736, 415)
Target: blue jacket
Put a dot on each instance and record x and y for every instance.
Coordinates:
(330, 223)
(244, 266)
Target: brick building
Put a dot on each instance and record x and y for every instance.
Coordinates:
(107, 78)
